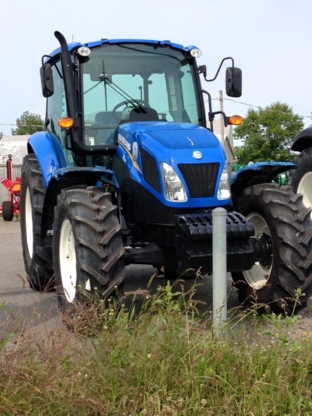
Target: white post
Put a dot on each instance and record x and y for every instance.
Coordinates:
(219, 286)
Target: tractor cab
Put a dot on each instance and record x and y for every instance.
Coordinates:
(93, 89)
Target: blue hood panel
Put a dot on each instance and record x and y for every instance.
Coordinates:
(177, 135)
(175, 144)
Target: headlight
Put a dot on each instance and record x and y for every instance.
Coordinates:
(196, 53)
(173, 188)
(224, 185)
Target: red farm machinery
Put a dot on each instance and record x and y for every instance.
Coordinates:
(11, 207)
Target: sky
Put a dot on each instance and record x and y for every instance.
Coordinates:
(270, 40)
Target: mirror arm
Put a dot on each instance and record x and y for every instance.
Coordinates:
(42, 59)
(225, 118)
(210, 113)
(212, 79)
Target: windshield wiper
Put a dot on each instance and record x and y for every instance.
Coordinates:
(136, 104)
(94, 86)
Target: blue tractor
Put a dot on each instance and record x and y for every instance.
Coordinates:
(127, 172)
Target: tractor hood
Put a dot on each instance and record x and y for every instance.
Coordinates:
(193, 152)
(171, 136)
(180, 136)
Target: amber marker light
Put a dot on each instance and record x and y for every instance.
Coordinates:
(235, 120)
(65, 122)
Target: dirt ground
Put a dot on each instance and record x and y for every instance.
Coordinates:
(20, 303)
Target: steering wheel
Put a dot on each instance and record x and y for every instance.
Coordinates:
(126, 103)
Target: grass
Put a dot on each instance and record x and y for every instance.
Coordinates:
(157, 359)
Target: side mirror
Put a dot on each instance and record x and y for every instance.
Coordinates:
(233, 82)
(46, 80)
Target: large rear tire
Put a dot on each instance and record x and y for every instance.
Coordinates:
(302, 176)
(37, 258)
(7, 211)
(283, 279)
(88, 249)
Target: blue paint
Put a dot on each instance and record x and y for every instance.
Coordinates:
(260, 165)
(95, 44)
(172, 143)
(49, 153)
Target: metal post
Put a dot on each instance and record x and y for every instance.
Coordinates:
(219, 286)
(221, 118)
(9, 167)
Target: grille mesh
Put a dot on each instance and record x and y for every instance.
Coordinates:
(200, 178)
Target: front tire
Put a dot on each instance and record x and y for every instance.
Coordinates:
(87, 247)
(7, 211)
(282, 280)
(37, 258)
(302, 176)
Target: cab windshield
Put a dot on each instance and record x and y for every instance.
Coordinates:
(136, 82)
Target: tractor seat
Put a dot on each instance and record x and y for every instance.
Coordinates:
(133, 115)
(104, 127)
(107, 118)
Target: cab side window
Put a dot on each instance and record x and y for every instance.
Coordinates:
(56, 103)
(56, 108)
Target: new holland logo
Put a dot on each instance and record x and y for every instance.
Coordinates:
(197, 154)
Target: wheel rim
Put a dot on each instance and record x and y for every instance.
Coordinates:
(29, 224)
(67, 257)
(258, 276)
(305, 188)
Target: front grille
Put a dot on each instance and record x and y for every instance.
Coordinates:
(200, 178)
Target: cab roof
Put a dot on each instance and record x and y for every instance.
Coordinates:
(76, 45)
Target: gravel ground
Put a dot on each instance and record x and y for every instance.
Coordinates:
(41, 309)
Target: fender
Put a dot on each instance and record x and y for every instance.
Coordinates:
(71, 177)
(257, 173)
(49, 153)
(302, 140)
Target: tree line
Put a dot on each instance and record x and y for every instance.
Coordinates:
(267, 134)
(27, 124)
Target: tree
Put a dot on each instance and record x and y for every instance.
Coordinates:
(267, 134)
(1, 135)
(27, 124)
